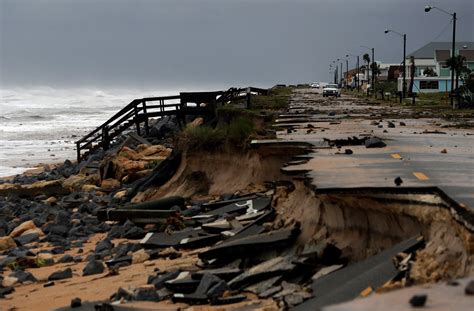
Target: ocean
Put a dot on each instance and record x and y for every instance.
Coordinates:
(40, 125)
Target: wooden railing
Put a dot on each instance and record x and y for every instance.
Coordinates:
(136, 112)
(140, 110)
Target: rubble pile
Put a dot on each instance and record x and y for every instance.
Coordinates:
(246, 254)
(242, 254)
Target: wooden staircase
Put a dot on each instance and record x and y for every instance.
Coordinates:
(139, 111)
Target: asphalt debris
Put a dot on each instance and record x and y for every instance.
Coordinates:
(418, 301)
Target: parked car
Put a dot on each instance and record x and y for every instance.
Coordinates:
(315, 85)
(331, 90)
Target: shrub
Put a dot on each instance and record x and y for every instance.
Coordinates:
(239, 129)
(203, 137)
(270, 102)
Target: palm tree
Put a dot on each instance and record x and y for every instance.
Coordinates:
(412, 75)
(456, 63)
(375, 69)
(366, 57)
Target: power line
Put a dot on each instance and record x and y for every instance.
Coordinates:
(442, 31)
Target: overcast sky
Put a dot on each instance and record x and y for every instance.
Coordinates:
(66, 43)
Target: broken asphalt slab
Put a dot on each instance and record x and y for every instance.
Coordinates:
(347, 283)
(251, 245)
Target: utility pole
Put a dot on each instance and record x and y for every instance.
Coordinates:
(453, 48)
(373, 71)
(341, 75)
(357, 75)
(404, 83)
(347, 72)
(404, 87)
(453, 55)
(370, 68)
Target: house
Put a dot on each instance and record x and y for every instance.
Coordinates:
(389, 72)
(431, 72)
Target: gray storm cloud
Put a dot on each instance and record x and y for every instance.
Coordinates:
(146, 43)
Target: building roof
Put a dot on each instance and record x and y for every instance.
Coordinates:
(442, 55)
(427, 51)
(468, 54)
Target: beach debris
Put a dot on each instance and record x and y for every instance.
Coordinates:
(23, 276)
(418, 301)
(146, 293)
(5, 291)
(60, 275)
(66, 258)
(23, 227)
(9, 281)
(122, 294)
(6, 243)
(203, 291)
(469, 289)
(103, 245)
(43, 187)
(76, 302)
(398, 181)
(325, 271)
(110, 184)
(273, 267)
(433, 132)
(347, 283)
(93, 267)
(374, 142)
(159, 280)
(252, 245)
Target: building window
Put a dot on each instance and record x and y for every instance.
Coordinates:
(429, 85)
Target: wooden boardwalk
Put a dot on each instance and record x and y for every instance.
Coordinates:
(139, 111)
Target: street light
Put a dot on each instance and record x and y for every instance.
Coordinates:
(340, 75)
(347, 71)
(404, 87)
(357, 69)
(453, 15)
(373, 61)
(336, 74)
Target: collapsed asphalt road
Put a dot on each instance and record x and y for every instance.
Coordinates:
(363, 157)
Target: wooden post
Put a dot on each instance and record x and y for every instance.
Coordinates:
(147, 129)
(248, 98)
(137, 122)
(181, 113)
(105, 137)
(78, 151)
